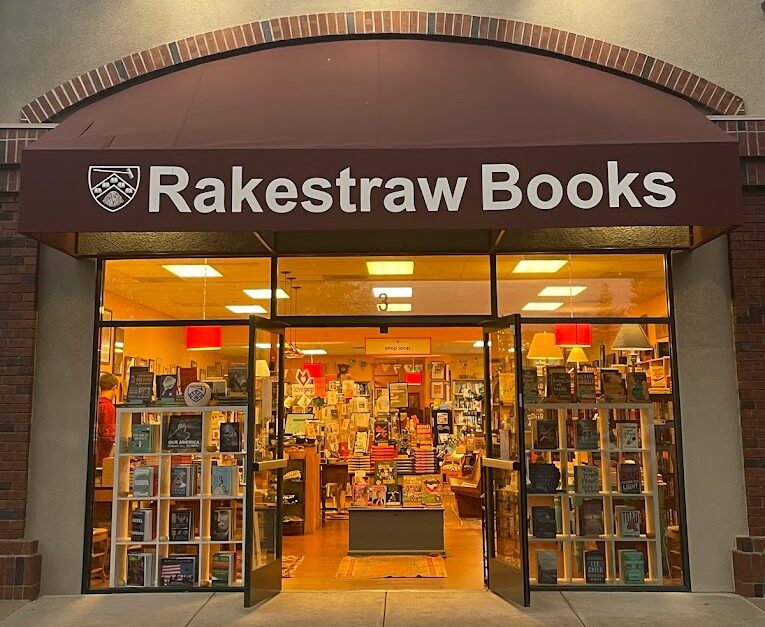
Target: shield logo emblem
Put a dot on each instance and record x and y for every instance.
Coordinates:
(113, 186)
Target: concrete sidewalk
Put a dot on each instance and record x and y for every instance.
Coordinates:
(387, 609)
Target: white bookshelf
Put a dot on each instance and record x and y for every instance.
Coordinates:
(201, 504)
(466, 410)
(607, 415)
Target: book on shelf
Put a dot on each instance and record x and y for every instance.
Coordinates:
(586, 479)
(393, 496)
(381, 431)
(221, 525)
(140, 569)
(359, 490)
(184, 433)
(558, 384)
(361, 442)
(142, 525)
(628, 520)
(543, 478)
(595, 567)
(627, 436)
(145, 481)
(637, 387)
(431, 490)
(140, 386)
(187, 376)
(181, 524)
(385, 472)
(222, 568)
(167, 388)
(230, 437)
(629, 478)
(591, 518)
(530, 382)
(587, 436)
(612, 385)
(377, 494)
(547, 567)
(225, 480)
(585, 387)
(236, 381)
(545, 433)
(183, 480)
(178, 570)
(144, 438)
(631, 566)
(543, 524)
(411, 487)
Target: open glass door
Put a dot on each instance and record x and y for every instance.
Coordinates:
(504, 474)
(265, 441)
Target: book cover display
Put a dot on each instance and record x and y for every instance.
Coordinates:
(627, 436)
(181, 525)
(629, 478)
(140, 387)
(585, 387)
(631, 566)
(543, 523)
(225, 480)
(431, 490)
(230, 437)
(377, 495)
(178, 570)
(385, 472)
(591, 518)
(144, 438)
(547, 567)
(558, 384)
(637, 387)
(628, 521)
(586, 479)
(545, 434)
(612, 386)
(184, 433)
(142, 525)
(221, 525)
(145, 481)
(236, 381)
(411, 490)
(140, 569)
(595, 567)
(587, 436)
(359, 490)
(530, 381)
(167, 388)
(223, 568)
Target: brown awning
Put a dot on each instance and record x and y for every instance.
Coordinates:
(381, 134)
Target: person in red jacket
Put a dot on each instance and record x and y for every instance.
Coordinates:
(107, 416)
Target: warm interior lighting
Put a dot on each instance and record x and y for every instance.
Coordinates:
(265, 294)
(313, 351)
(577, 356)
(479, 344)
(397, 307)
(413, 378)
(246, 309)
(570, 334)
(543, 348)
(561, 290)
(316, 370)
(392, 292)
(192, 271)
(262, 345)
(539, 266)
(261, 368)
(631, 338)
(542, 306)
(382, 268)
(204, 338)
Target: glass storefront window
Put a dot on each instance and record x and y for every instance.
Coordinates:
(612, 285)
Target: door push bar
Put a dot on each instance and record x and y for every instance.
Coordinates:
(501, 464)
(271, 464)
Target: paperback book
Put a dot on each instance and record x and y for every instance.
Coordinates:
(181, 521)
(145, 481)
(167, 388)
(591, 518)
(143, 438)
(545, 434)
(543, 524)
(140, 569)
(360, 490)
(543, 478)
(547, 567)
(629, 478)
(637, 387)
(225, 480)
(586, 479)
(631, 566)
(377, 495)
(585, 387)
(587, 437)
(595, 567)
(393, 496)
(627, 436)
(628, 520)
(385, 472)
(558, 384)
(183, 480)
(612, 385)
(230, 437)
(184, 433)
(381, 431)
(221, 527)
(142, 525)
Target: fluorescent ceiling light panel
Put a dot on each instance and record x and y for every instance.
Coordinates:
(479, 344)
(398, 307)
(245, 309)
(388, 268)
(392, 292)
(262, 345)
(265, 294)
(192, 271)
(542, 306)
(561, 290)
(313, 351)
(539, 266)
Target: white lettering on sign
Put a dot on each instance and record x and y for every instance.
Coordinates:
(503, 188)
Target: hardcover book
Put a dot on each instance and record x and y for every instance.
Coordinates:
(360, 491)
(167, 388)
(140, 569)
(143, 438)
(587, 437)
(222, 568)
(377, 495)
(431, 490)
(547, 567)
(411, 490)
(629, 478)
(591, 518)
(140, 386)
(236, 381)
(393, 496)
(181, 522)
(178, 570)
(221, 527)
(585, 387)
(595, 567)
(183, 480)
(184, 433)
(586, 479)
(385, 472)
(145, 481)
(628, 521)
(543, 478)
(631, 566)
(558, 384)
(142, 525)
(612, 386)
(187, 376)
(225, 480)
(637, 387)
(545, 434)
(530, 382)
(627, 436)
(381, 431)
(543, 523)
(230, 437)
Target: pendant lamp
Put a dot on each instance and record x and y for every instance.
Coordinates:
(204, 338)
(569, 335)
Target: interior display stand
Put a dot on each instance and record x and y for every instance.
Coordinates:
(568, 544)
(161, 502)
(396, 530)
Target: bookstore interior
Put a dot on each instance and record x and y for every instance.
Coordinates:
(383, 450)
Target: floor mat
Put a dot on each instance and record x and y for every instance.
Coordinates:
(290, 564)
(392, 567)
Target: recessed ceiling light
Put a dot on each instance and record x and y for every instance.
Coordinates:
(265, 294)
(390, 267)
(392, 292)
(262, 345)
(479, 344)
(245, 309)
(397, 307)
(542, 306)
(539, 266)
(192, 271)
(313, 351)
(561, 290)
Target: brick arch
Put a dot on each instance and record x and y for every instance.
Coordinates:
(253, 35)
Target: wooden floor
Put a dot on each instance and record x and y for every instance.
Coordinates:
(324, 549)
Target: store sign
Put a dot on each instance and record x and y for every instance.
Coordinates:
(304, 384)
(398, 346)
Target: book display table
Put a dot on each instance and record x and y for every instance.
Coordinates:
(396, 530)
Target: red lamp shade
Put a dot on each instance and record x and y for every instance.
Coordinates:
(569, 335)
(315, 370)
(203, 338)
(414, 378)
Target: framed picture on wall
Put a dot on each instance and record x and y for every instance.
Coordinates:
(437, 389)
(119, 348)
(106, 348)
(437, 371)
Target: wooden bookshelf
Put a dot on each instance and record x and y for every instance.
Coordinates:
(201, 504)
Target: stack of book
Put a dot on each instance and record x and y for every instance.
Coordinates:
(404, 465)
(381, 452)
(359, 463)
(424, 460)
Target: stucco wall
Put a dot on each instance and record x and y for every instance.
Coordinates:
(711, 431)
(43, 43)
